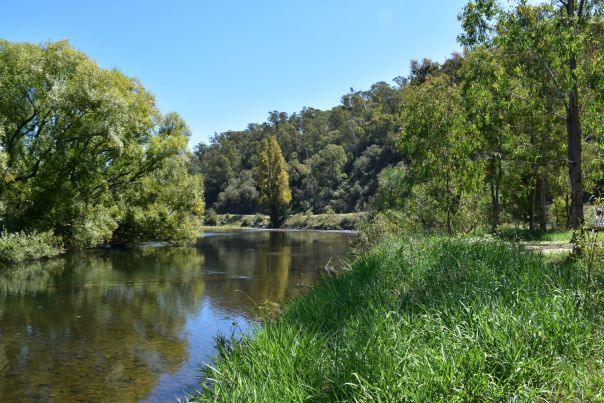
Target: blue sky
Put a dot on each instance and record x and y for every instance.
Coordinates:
(225, 63)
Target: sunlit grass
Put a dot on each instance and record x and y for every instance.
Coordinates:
(424, 320)
(513, 234)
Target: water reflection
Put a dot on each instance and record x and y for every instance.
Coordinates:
(124, 325)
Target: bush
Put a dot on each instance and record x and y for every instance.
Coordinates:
(158, 223)
(382, 225)
(211, 217)
(259, 220)
(94, 226)
(22, 246)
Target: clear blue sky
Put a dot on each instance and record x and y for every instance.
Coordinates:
(225, 63)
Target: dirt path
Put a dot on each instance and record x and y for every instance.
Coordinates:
(549, 247)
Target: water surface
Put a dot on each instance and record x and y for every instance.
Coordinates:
(136, 324)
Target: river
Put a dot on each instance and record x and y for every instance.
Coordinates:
(138, 323)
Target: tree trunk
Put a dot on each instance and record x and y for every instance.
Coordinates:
(567, 210)
(533, 211)
(574, 157)
(573, 127)
(495, 197)
(493, 208)
(542, 207)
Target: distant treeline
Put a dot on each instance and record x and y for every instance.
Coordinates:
(508, 131)
(334, 157)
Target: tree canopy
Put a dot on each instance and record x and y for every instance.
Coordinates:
(273, 180)
(509, 131)
(86, 153)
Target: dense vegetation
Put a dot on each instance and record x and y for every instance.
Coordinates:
(509, 131)
(86, 155)
(427, 320)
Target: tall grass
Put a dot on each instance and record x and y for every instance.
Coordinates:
(425, 320)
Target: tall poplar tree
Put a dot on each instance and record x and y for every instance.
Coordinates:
(273, 180)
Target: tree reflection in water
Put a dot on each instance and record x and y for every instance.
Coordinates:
(131, 324)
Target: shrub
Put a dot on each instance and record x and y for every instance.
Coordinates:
(94, 227)
(259, 220)
(211, 217)
(158, 223)
(382, 225)
(22, 246)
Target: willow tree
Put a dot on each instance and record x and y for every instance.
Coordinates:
(273, 181)
(77, 142)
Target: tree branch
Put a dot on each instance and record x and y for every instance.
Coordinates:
(542, 109)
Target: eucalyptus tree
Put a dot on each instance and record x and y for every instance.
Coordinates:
(440, 144)
(560, 42)
(486, 95)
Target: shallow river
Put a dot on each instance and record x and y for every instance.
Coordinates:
(137, 324)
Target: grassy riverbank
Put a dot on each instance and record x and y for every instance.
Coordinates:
(428, 319)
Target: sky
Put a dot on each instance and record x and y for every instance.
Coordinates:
(222, 64)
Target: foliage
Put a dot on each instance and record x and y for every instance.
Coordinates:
(483, 138)
(333, 157)
(22, 246)
(423, 320)
(557, 47)
(589, 243)
(273, 181)
(211, 217)
(86, 154)
(383, 225)
(441, 145)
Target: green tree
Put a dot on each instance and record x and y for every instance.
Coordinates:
(441, 145)
(78, 140)
(273, 181)
(559, 42)
(328, 176)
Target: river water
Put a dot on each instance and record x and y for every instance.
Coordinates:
(138, 323)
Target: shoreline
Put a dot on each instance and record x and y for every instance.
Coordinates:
(227, 229)
(407, 290)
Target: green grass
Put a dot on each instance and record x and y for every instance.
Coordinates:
(437, 319)
(512, 234)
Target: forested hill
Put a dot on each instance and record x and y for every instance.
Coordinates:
(334, 156)
(480, 138)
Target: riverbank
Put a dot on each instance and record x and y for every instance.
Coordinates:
(428, 319)
(347, 221)
(23, 246)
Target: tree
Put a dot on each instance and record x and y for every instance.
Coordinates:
(558, 42)
(327, 170)
(485, 90)
(78, 140)
(441, 145)
(273, 181)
